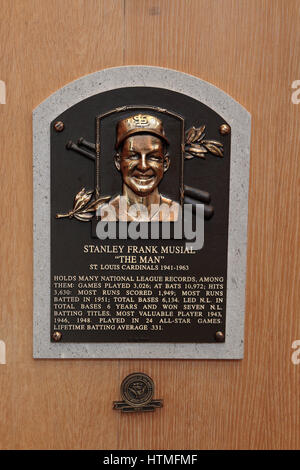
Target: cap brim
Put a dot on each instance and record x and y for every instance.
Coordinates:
(141, 131)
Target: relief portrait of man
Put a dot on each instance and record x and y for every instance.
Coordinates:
(142, 159)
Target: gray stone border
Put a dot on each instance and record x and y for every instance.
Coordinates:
(240, 121)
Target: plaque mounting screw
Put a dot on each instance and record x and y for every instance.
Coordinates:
(220, 337)
(59, 126)
(56, 336)
(224, 129)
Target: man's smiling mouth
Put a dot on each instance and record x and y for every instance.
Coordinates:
(143, 178)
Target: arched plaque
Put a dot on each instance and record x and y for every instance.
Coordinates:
(138, 142)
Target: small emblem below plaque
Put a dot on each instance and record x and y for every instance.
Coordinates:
(137, 391)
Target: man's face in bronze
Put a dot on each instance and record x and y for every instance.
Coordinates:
(142, 162)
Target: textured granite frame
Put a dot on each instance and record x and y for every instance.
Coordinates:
(240, 121)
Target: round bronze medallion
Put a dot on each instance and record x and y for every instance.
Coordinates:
(137, 389)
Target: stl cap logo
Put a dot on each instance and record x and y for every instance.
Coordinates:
(141, 121)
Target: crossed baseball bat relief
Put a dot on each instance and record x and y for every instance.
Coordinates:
(192, 195)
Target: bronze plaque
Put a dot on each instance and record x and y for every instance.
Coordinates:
(130, 161)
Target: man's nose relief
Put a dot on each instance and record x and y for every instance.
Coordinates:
(143, 164)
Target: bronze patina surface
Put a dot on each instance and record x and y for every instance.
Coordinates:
(137, 391)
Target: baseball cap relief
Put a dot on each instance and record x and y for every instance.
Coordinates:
(139, 124)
